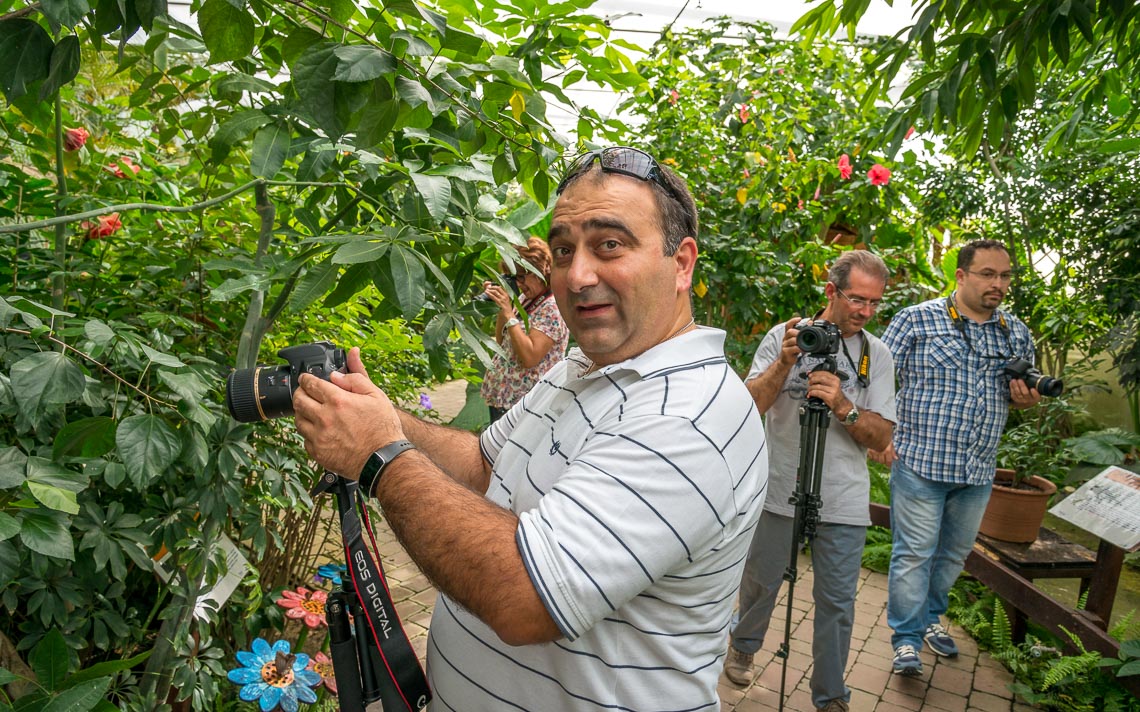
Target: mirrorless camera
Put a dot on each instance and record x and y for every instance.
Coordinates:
(510, 280)
(1021, 370)
(818, 337)
(265, 392)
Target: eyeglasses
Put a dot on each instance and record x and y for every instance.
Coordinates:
(622, 160)
(859, 302)
(989, 275)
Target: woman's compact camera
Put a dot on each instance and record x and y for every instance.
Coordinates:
(265, 392)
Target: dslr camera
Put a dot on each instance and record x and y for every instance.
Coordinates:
(1021, 370)
(818, 337)
(510, 280)
(265, 392)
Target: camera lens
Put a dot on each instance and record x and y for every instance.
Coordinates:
(1047, 386)
(260, 393)
(810, 339)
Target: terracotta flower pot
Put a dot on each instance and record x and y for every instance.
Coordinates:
(1016, 514)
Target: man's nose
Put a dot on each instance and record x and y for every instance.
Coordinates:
(582, 272)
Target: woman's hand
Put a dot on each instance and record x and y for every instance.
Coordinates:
(501, 298)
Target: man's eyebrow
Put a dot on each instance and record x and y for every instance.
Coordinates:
(610, 223)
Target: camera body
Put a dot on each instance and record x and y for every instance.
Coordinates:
(510, 280)
(265, 392)
(1021, 370)
(818, 337)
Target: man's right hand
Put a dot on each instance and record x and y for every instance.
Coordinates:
(884, 457)
(789, 352)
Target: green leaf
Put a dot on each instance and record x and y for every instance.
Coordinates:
(360, 251)
(45, 532)
(361, 63)
(49, 660)
(189, 386)
(13, 466)
(80, 698)
(270, 148)
(9, 527)
(148, 446)
(436, 192)
(226, 30)
(315, 284)
(379, 115)
(50, 473)
(313, 80)
(25, 56)
(405, 281)
(462, 42)
(161, 359)
(43, 379)
(54, 498)
(89, 437)
(1119, 105)
(68, 13)
(107, 668)
(63, 67)
(1129, 668)
(98, 332)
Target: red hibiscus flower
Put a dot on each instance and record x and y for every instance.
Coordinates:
(73, 139)
(106, 226)
(744, 114)
(909, 133)
(117, 167)
(845, 168)
(879, 174)
(673, 96)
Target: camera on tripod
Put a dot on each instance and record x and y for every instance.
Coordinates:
(265, 392)
(1021, 370)
(510, 280)
(818, 337)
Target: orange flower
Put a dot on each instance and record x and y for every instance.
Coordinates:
(106, 226)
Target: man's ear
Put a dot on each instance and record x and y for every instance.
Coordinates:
(686, 259)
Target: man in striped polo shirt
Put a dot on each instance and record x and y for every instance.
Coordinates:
(588, 546)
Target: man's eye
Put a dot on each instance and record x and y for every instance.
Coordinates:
(610, 245)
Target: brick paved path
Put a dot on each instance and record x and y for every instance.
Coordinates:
(973, 682)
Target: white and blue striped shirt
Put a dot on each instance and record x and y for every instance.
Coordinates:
(637, 488)
(953, 395)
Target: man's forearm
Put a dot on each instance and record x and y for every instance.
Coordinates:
(465, 545)
(766, 387)
(454, 451)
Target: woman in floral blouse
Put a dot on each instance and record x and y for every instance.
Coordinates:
(532, 348)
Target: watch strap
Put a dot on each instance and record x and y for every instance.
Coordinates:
(378, 461)
(852, 416)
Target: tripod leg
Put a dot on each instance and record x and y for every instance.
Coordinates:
(344, 656)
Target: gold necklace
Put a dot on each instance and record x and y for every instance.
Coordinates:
(693, 320)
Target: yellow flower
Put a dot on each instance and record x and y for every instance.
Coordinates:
(779, 207)
(816, 272)
(700, 289)
(670, 161)
(518, 104)
(741, 195)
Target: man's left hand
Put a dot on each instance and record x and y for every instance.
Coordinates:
(828, 388)
(1022, 396)
(344, 421)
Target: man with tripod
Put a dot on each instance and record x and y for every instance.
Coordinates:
(587, 546)
(860, 394)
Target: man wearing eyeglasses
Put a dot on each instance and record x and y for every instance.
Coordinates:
(587, 546)
(861, 397)
(953, 401)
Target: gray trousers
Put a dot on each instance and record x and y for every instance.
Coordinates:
(836, 559)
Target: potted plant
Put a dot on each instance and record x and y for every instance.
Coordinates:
(1021, 491)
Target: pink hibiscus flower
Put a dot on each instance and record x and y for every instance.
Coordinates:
(845, 168)
(879, 174)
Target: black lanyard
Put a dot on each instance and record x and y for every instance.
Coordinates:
(863, 368)
(960, 325)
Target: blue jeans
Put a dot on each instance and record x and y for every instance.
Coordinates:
(836, 555)
(934, 525)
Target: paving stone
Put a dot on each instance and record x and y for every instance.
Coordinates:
(943, 700)
(995, 682)
(863, 701)
(948, 678)
(869, 678)
(985, 702)
(895, 700)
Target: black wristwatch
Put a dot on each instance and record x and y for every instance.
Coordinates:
(379, 460)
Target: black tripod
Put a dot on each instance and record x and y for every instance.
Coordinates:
(366, 672)
(814, 422)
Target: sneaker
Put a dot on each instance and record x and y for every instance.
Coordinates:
(738, 666)
(938, 640)
(906, 661)
(835, 705)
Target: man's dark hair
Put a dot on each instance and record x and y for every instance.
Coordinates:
(966, 253)
(868, 262)
(676, 216)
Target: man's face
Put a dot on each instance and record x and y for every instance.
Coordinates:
(985, 283)
(617, 290)
(849, 317)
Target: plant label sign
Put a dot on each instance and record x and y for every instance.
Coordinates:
(1108, 505)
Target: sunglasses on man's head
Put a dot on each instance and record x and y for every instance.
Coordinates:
(622, 160)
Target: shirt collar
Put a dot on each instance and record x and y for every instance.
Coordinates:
(704, 342)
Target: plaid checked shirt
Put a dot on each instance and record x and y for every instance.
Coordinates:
(953, 396)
